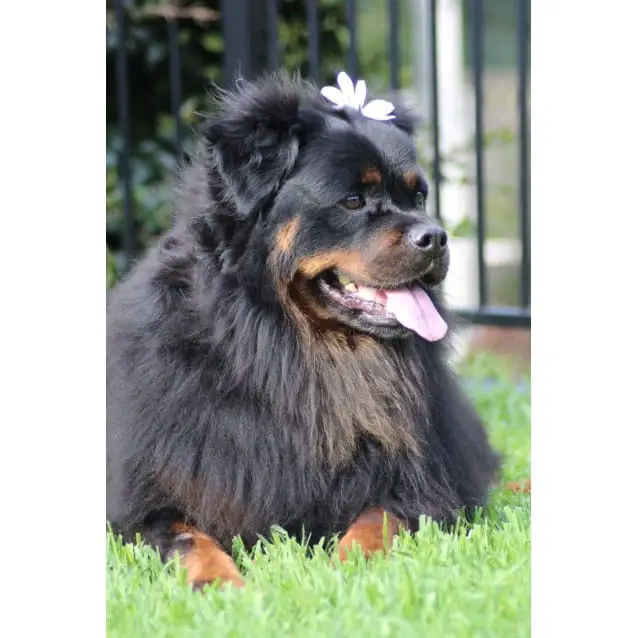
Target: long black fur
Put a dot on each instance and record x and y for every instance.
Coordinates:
(222, 408)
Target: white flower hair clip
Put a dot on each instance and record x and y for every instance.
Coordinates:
(350, 96)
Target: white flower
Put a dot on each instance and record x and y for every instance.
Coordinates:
(350, 96)
(379, 110)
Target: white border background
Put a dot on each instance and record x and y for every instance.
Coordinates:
(585, 247)
(52, 263)
(585, 252)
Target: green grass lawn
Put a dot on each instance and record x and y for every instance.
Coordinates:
(433, 584)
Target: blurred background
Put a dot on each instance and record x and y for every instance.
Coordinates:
(462, 64)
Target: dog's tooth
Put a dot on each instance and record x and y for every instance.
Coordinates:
(350, 287)
(344, 280)
(367, 293)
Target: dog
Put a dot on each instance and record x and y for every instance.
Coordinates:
(279, 356)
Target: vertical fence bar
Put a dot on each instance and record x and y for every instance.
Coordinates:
(236, 32)
(351, 20)
(313, 37)
(123, 114)
(273, 34)
(523, 131)
(477, 67)
(175, 82)
(393, 11)
(434, 106)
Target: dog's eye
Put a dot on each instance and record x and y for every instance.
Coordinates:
(419, 199)
(353, 202)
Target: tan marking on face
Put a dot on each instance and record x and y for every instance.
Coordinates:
(286, 235)
(411, 179)
(371, 175)
(389, 239)
(363, 266)
(350, 261)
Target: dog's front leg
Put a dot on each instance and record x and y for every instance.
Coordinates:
(201, 555)
(372, 531)
(205, 561)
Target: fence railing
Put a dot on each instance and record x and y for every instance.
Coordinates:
(250, 30)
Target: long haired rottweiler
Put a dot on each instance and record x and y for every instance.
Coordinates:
(278, 357)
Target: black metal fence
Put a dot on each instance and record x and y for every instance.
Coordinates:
(250, 30)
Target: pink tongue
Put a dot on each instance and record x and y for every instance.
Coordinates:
(414, 309)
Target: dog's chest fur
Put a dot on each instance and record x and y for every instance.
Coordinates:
(359, 390)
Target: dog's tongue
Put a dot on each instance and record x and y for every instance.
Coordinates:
(414, 309)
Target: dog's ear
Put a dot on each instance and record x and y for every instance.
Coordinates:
(255, 138)
(405, 118)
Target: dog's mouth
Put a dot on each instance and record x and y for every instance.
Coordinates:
(408, 306)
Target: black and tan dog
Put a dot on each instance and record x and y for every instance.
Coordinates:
(278, 358)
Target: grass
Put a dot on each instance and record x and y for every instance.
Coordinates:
(433, 584)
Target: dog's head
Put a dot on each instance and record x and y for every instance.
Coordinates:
(334, 205)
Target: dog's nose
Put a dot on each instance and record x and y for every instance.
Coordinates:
(428, 237)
